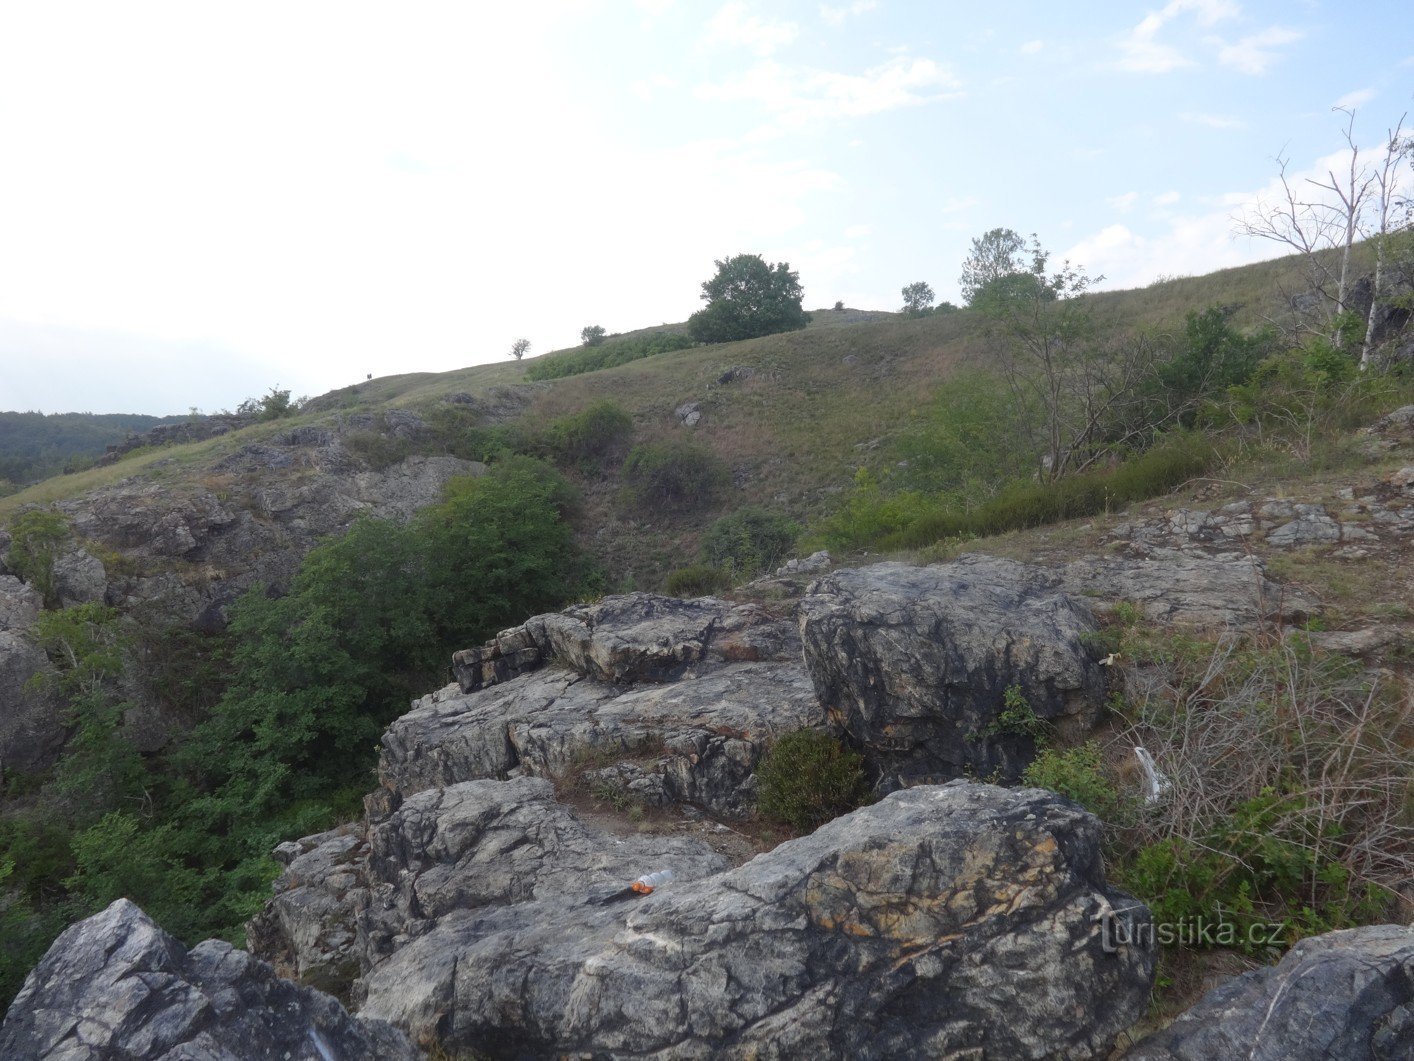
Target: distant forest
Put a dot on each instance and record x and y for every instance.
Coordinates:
(34, 446)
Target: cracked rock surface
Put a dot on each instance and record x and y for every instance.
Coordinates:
(914, 662)
(116, 986)
(938, 920)
(1347, 995)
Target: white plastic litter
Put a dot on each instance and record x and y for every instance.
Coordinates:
(1155, 780)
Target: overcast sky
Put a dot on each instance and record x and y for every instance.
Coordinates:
(200, 201)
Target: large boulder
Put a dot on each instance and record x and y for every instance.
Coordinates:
(350, 897)
(1180, 587)
(116, 985)
(669, 701)
(1347, 995)
(916, 663)
(696, 740)
(960, 918)
(629, 638)
(80, 578)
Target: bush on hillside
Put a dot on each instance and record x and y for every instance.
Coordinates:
(607, 354)
(679, 476)
(36, 538)
(697, 580)
(749, 541)
(589, 437)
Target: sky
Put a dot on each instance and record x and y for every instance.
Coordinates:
(200, 201)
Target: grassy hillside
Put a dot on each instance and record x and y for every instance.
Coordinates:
(793, 416)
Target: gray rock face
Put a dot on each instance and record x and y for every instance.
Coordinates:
(1172, 586)
(695, 740)
(79, 578)
(350, 897)
(961, 918)
(1347, 995)
(116, 985)
(915, 662)
(633, 637)
(31, 733)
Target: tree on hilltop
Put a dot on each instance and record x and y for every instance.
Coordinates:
(748, 298)
(996, 255)
(520, 348)
(918, 299)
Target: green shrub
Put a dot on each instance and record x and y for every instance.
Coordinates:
(588, 437)
(36, 538)
(1077, 773)
(807, 778)
(697, 580)
(910, 520)
(680, 476)
(749, 541)
(609, 354)
(1018, 718)
(378, 450)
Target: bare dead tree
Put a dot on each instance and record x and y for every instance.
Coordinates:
(1394, 214)
(1323, 219)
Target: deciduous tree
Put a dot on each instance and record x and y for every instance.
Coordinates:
(917, 299)
(748, 298)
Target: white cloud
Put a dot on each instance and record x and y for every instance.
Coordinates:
(1141, 51)
(835, 16)
(653, 7)
(1124, 203)
(1167, 199)
(733, 24)
(649, 88)
(1254, 54)
(1196, 241)
(858, 231)
(1032, 47)
(955, 204)
(1213, 121)
(1351, 100)
(798, 95)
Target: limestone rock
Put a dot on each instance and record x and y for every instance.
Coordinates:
(497, 843)
(915, 662)
(1345, 994)
(308, 926)
(31, 731)
(961, 918)
(80, 578)
(116, 985)
(1174, 586)
(809, 565)
(631, 637)
(348, 899)
(694, 740)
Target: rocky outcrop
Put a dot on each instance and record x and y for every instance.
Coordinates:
(1345, 994)
(116, 985)
(961, 918)
(31, 731)
(915, 663)
(350, 897)
(633, 637)
(80, 578)
(696, 740)
(195, 429)
(1180, 587)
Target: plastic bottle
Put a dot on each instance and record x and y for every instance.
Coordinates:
(646, 883)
